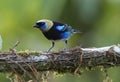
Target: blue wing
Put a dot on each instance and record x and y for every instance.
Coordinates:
(60, 28)
(64, 27)
(65, 31)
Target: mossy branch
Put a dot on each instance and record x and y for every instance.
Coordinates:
(71, 61)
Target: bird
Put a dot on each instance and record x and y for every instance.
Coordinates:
(55, 31)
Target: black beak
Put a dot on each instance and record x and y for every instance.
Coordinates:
(35, 26)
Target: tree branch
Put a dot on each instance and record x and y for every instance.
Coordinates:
(60, 61)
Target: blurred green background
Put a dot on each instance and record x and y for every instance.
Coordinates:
(98, 19)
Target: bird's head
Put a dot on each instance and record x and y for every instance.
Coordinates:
(44, 25)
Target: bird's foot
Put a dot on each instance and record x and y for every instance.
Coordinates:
(64, 50)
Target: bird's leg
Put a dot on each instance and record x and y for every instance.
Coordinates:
(66, 44)
(53, 43)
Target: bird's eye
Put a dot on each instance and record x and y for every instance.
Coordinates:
(40, 23)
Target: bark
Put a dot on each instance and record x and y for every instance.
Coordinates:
(71, 61)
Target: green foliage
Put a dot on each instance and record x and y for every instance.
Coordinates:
(98, 19)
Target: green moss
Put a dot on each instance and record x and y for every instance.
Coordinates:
(28, 53)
